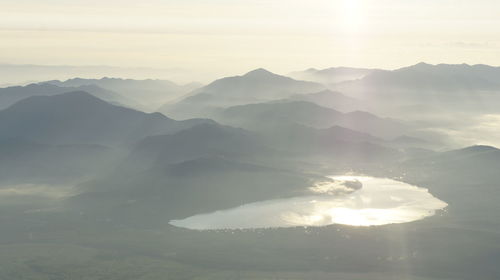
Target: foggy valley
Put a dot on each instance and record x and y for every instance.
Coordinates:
(96, 184)
(249, 140)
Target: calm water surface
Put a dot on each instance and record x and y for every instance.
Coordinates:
(348, 200)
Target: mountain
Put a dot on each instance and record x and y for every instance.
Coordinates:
(442, 87)
(330, 99)
(11, 95)
(334, 146)
(186, 188)
(21, 73)
(255, 86)
(198, 141)
(198, 169)
(331, 75)
(425, 76)
(475, 165)
(80, 118)
(145, 94)
(261, 115)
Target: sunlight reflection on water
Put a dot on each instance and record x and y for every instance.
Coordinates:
(376, 201)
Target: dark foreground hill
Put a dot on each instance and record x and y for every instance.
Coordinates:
(80, 118)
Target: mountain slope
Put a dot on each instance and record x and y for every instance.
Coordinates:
(255, 86)
(198, 141)
(330, 99)
(261, 115)
(435, 88)
(437, 77)
(11, 95)
(80, 118)
(145, 94)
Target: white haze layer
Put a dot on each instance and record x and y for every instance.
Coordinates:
(380, 201)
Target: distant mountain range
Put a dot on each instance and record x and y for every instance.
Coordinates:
(90, 178)
(255, 86)
(72, 136)
(438, 77)
(11, 95)
(331, 99)
(433, 87)
(331, 75)
(80, 118)
(309, 114)
(22, 73)
(142, 94)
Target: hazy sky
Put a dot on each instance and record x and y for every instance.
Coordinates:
(233, 36)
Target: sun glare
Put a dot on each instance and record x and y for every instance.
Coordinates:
(352, 15)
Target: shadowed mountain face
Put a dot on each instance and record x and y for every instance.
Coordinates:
(255, 86)
(199, 141)
(66, 137)
(165, 191)
(197, 169)
(80, 118)
(141, 94)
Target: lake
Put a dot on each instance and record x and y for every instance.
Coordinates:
(347, 200)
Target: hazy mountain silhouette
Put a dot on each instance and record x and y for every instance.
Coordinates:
(255, 86)
(21, 73)
(186, 188)
(438, 88)
(80, 118)
(335, 145)
(198, 141)
(331, 99)
(331, 75)
(131, 172)
(146, 94)
(11, 95)
(309, 114)
(475, 165)
(438, 77)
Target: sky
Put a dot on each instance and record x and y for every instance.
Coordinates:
(221, 37)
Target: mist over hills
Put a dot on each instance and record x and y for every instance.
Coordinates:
(11, 95)
(78, 117)
(310, 114)
(445, 87)
(331, 75)
(90, 179)
(204, 140)
(331, 99)
(255, 86)
(72, 135)
(143, 94)
(22, 73)
(425, 76)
